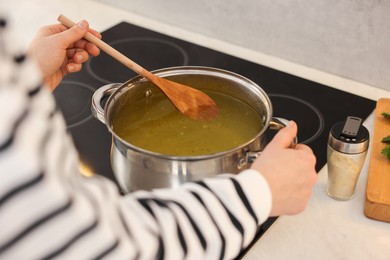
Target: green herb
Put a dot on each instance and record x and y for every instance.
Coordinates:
(386, 151)
(386, 115)
(386, 139)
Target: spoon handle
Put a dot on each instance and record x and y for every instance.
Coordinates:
(108, 49)
(187, 100)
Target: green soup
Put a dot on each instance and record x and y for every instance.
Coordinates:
(154, 124)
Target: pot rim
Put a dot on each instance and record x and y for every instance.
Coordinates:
(170, 71)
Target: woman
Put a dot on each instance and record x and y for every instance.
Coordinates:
(48, 209)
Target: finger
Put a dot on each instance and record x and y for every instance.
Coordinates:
(94, 32)
(77, 55)
(80, 57)
(51, 29)
(74, 34)
(285, 136)
(303, 147)
(73, 67)
(88, 46)
(92, 49)
(307, 153)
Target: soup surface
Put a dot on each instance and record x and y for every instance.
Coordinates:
(154, 124)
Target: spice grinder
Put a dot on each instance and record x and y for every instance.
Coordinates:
(347, 149)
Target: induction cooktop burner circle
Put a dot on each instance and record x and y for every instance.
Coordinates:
(309, 119)
(150, 53)
(74, 100)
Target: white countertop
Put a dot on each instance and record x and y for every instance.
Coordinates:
(327, 229)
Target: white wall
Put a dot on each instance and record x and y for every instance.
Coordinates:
(349, 38)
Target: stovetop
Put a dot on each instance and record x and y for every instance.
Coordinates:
(315, 107)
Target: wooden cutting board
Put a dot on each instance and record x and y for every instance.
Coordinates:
(377, 203)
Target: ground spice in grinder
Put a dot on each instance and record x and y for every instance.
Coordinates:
(347, 149)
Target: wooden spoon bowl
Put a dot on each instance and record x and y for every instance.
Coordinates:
(189, 101)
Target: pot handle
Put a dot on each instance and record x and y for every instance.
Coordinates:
(276, 123)
(100, 93)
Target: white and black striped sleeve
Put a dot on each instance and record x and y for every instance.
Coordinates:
(49, 210)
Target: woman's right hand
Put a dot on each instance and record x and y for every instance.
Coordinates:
(60, 51)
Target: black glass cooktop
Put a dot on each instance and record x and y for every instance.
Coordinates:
(313, 106)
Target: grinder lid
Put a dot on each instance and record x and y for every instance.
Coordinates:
(349, 136)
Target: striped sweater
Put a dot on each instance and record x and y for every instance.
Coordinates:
(49, 210)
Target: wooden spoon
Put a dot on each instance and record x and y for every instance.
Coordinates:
(187, 100)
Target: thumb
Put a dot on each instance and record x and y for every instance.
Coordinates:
(75, 33)
(285, 136)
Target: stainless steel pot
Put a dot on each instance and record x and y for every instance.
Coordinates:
(136, 168)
